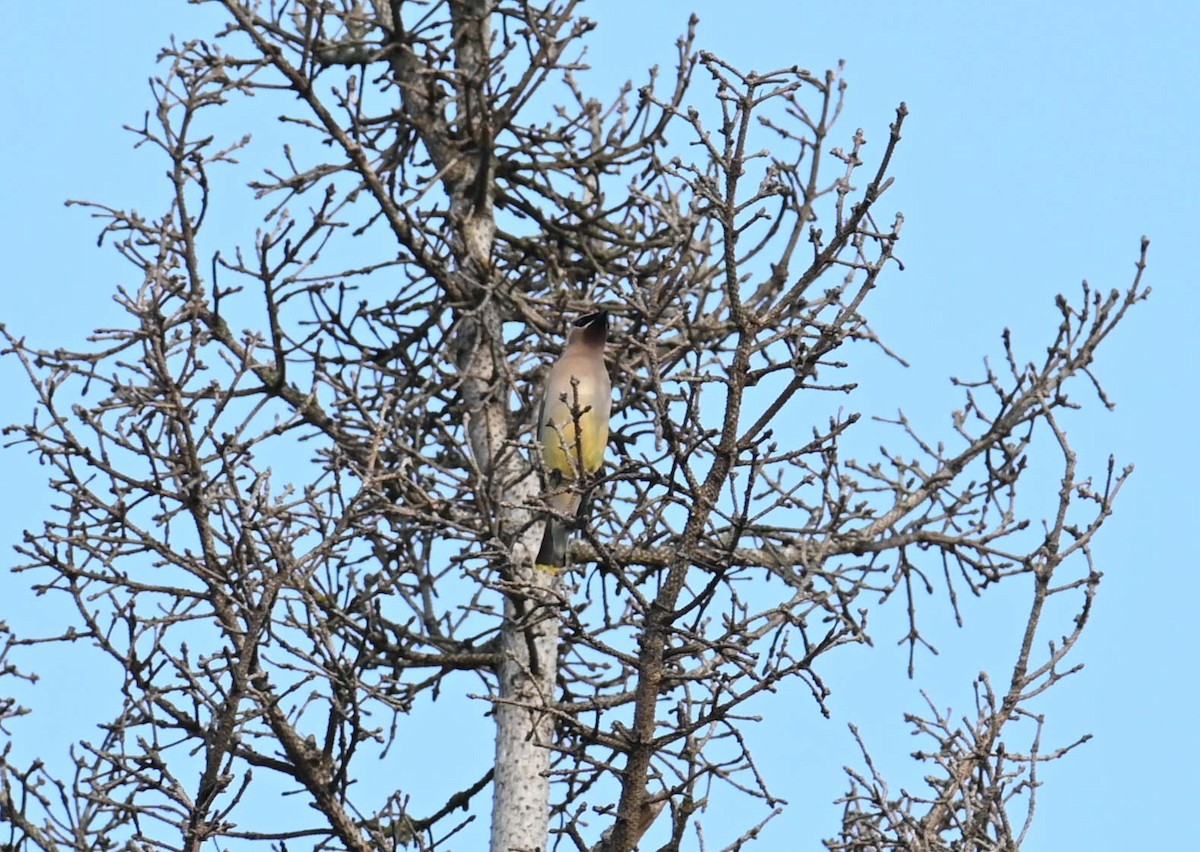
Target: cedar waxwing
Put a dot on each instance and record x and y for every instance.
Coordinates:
(578, 394)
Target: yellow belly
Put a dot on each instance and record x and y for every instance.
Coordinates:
(567, 452)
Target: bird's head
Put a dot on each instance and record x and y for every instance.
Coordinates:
(591, 329)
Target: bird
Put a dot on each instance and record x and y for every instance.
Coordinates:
(573, 429)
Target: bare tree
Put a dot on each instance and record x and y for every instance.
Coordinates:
(297, 495)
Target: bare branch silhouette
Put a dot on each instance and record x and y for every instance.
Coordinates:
(297, 497)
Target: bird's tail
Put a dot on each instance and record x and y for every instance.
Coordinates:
(552, 555)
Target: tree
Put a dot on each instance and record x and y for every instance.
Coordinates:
(298, 493)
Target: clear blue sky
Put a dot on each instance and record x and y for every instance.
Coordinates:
(1043, 141)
